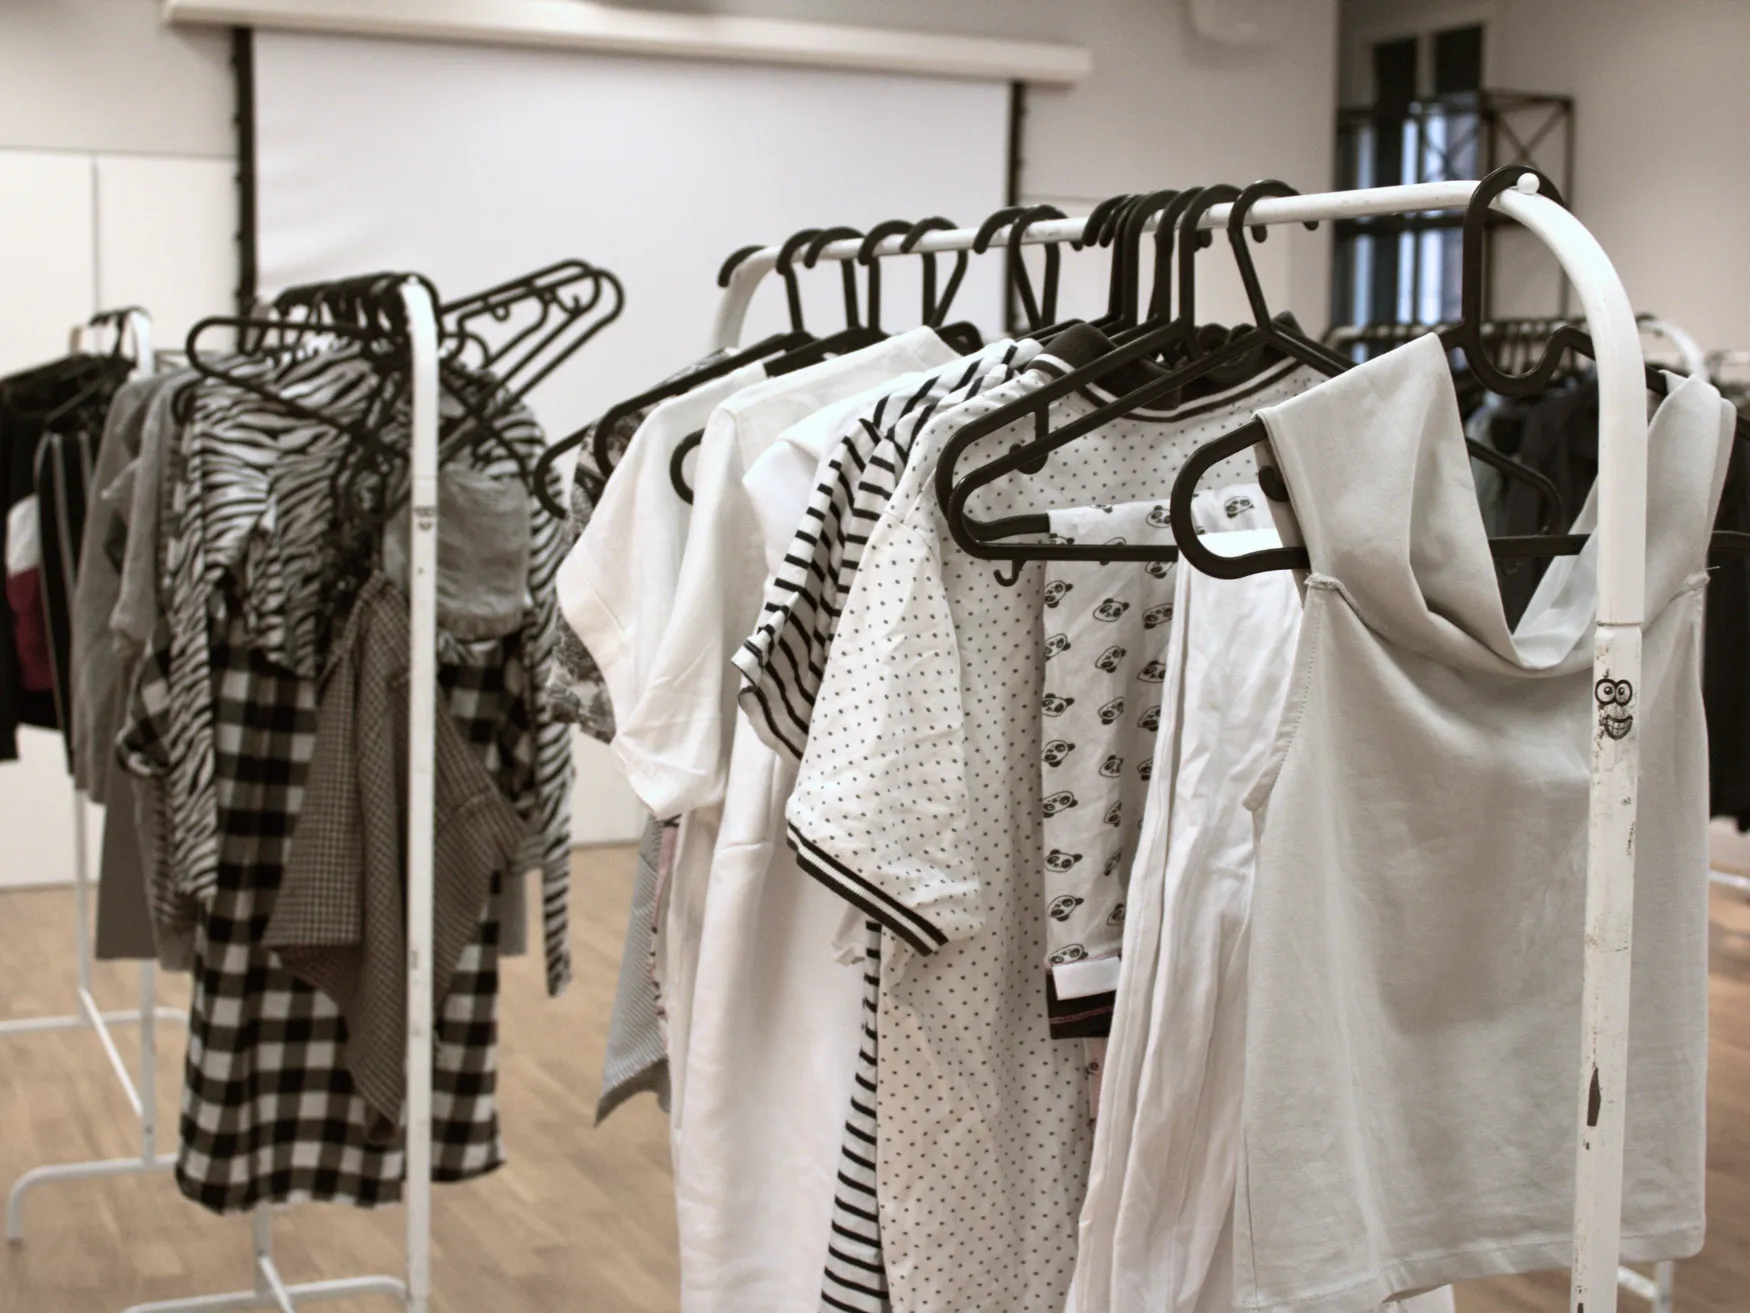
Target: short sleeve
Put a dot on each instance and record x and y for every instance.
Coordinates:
(879, 812)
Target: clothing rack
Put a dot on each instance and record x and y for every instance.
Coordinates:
(132, 326)
(1621, 605)
(270, 1289)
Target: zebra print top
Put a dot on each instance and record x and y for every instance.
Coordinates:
(251, 533)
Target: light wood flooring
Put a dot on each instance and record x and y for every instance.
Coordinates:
(581, 1220)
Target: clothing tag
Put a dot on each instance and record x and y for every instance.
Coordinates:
(1094, 975)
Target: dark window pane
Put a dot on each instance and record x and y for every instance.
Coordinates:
(1394, 74)
(1458, 60)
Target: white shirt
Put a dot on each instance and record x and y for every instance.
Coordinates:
(1156, 1227)
(617, 584)
(762, 1017)
(674, 744)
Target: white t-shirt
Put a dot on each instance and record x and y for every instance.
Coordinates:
(617, 584)
(758, 1007)
(918, 796)
(1156, 1225)
(674, 744)
(1414, 982)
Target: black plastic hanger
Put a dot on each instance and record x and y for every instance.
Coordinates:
(1467, 335)
(963, 336)
(854, 336)
(981, 539)
(1042, 311)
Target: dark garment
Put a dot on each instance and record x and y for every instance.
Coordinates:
(1725, 685)
(69, 395)
(1559, 438)
(63, 471)
(340, 924)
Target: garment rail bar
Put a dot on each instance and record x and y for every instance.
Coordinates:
(133, 327)
(1622, 494)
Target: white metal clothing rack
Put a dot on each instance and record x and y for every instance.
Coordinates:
(141, 1095)
(270, 1289)
(1622, 533)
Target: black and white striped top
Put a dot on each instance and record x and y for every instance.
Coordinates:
(782, 661)
(250, 530)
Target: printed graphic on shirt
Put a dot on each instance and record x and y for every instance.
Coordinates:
(1099, 720)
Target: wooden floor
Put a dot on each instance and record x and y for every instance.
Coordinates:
(581, 1220)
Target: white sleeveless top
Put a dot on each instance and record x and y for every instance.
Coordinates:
(1413, 1024)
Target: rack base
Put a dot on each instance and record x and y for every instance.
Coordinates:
(85, 1171)
(278, 1295)
(1657, 1290)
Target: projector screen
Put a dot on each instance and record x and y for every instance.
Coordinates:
(475, 164)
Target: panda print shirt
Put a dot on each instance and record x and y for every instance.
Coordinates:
(1104, 629)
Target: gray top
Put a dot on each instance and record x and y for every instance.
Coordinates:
(1417, 919)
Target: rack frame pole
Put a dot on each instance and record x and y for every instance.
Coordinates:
(141, 1095)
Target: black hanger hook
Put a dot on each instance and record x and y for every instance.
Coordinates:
(847, 272)
(1190, 238)
(1236, 236)
(1044, 310)
(1468, 333)
(869, 260)
(786, 267)
(935, 311)
(1135, 219)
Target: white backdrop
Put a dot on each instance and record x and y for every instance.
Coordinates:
(474, 164)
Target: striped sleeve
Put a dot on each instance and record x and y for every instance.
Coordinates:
(782, 662)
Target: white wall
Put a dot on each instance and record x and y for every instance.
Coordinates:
(97, 230)
(1662, 158)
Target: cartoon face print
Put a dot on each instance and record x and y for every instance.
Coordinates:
(1236, 506)
(1110, 609)
(1160, 517)
(1059, 802)
(1153, 673)
(1111, 865)
(1112, 766)
(1062, 906)
(1614, 697)
(1056, 751)
(1158, 569)
(1156, 616)
(1116, 542)
(1109, 659)
(1117, 917)
(1055, 644)
(1150, 719)
(1070, 953)
(1060, 861)
(1145, 768)
(1056, 706)
(1055, 590)
(1115, 814)
(1059, 539)
(1111, 711)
